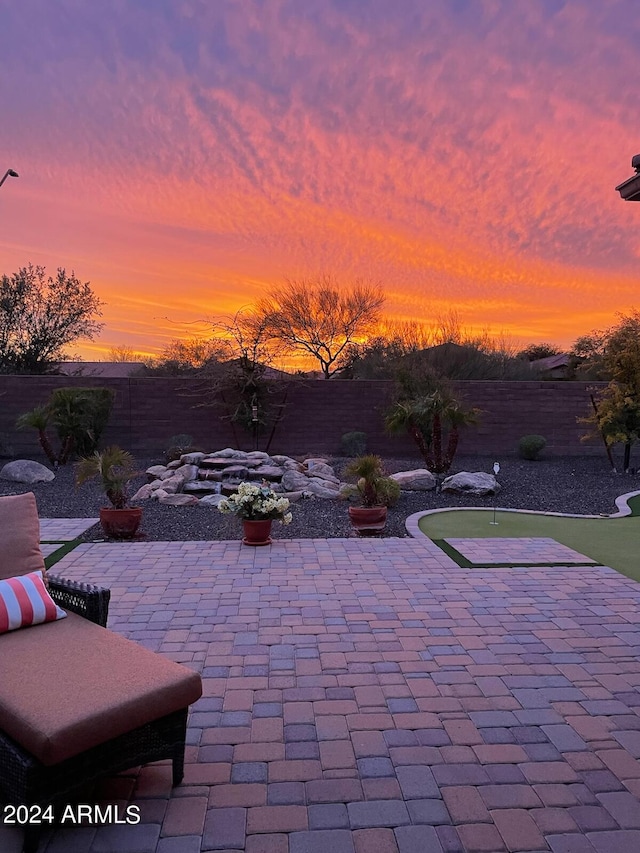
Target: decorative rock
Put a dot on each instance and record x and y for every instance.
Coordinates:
(320, 491)
(238, 472)
(268, 472)
(187, 472)
(292, 465)
(143, 493)
(26, 471)
(216, 464)
(172, 485)
(178, 500)
(205, 487)
(259, 455)
(478, 483)
(230, 453)
(211, 500)
(312, 463)
(175, 463)
(166, 474)
(320, 469)
(293, 496)
(209, 475)
(418, 480)
(155, 484)
(192, 458)
(323, 484)
(279, 459)
(155, 471)
(293, 481)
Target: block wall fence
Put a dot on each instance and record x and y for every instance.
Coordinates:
(147, 411)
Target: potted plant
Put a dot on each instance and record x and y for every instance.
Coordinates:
(115, 469)
(377, 492)
(258, 506)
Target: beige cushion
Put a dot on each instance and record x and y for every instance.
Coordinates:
(70, 685)
(19, 536)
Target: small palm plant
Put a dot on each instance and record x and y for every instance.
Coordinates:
(114, 467)
(429, 418)
(39, 419)
(375, 488)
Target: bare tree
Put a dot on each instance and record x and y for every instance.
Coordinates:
(121, 353)
(318, 317)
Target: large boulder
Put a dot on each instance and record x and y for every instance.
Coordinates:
(467, 483)
(318, 490)
(26, 471)
(155, 472)
(418, 480)
(143, 493)
(187, 472)
(294, 481)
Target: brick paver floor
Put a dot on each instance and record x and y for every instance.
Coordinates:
(370, 696)
(517, 551)
(64, 529)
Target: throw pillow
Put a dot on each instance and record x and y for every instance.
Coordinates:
(19, 536)
(24, 601)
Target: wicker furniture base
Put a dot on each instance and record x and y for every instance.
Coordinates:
(25, 780)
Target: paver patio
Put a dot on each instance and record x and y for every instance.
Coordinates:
(517, 551)
(370, 696)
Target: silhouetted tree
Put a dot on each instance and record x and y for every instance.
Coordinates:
(40, 316)
(319, 318)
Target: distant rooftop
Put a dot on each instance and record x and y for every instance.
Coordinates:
(109, 369)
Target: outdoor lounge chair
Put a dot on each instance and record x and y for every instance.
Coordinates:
(77, 701)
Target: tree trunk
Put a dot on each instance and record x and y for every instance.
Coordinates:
(452, 446)
(45, 444)
(627, 457)
(418, 437)
(437, 444)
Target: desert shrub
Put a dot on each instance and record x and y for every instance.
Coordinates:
(177, 445)
(353, 443)
(531, 446)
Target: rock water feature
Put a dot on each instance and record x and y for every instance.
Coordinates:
(206, 478)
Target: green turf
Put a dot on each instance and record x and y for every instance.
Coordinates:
(613, 542)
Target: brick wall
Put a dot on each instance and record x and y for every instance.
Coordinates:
(148, 411)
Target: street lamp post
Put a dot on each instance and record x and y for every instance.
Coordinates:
(10, 173)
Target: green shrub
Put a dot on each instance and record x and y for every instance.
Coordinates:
(353, 443)
(531, 446)
(79, 416)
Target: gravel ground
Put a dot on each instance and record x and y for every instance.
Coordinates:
(573, 484)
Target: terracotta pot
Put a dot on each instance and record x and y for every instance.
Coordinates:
(121, 523)
(368, 520)
(257, 532)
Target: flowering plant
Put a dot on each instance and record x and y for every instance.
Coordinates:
(256, 503)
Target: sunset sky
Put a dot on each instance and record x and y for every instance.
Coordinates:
(185, 155)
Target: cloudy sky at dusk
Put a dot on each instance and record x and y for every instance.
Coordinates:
(184, 155)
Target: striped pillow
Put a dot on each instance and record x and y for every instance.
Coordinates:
(25, 601)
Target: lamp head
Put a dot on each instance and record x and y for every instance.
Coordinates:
(12, 173)
(635, 162)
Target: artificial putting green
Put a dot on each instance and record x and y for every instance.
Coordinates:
(613, 542)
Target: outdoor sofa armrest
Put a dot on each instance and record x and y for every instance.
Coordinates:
(85, 599)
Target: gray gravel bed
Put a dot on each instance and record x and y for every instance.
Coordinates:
(555, 484)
